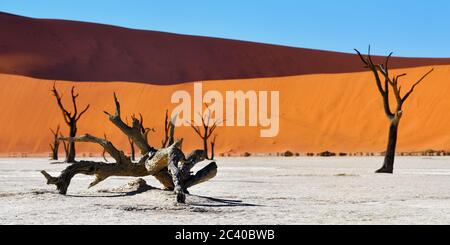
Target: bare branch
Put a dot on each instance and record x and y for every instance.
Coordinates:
(414, 86)
(135, 132)
(82, 112)
(74, 102)
(196, 128)
(119, 156)
(384, 70)
(66, 114)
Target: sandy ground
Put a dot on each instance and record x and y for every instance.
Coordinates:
(245, 191)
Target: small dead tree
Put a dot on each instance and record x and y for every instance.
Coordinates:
(208, 130)
(381, 72)
(132, 150)
(167, 128)
(169, 165)
(55, 145)
(71, 119)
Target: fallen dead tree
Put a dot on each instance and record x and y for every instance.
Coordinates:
(168, 165)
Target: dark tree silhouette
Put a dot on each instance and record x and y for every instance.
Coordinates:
(213, 144)
(55, 145)
(381, 72)
(167, 128)
(71, 119)
(208, 130)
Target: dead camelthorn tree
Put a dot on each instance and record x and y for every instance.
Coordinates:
(55, 145)
(208, 130)
(169, 165)
(71, 119)
(385, 82)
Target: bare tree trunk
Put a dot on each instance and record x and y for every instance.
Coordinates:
(70, 158)
(212, 151)
(66, 147)
(55, 145)
(54, 153)
(213, 143)
(388, 165)
(205, 147)
(394, 117)
(133, 152)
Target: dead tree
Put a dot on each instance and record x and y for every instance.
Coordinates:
(167, 128)
(169, 165)
(385, 82)
(55, 145)
(71, 119)
(208, 130)
(213, 143)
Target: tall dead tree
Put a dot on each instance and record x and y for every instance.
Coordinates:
(169, 165)
(54, 146)
(208, 130)
(385, 82)
(71, 119)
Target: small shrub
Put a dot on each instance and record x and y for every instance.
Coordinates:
(288, 154)
(327, 154)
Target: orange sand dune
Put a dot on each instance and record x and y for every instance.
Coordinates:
(77, 51)
(337, 112)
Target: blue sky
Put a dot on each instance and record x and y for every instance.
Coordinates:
(407, 27)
